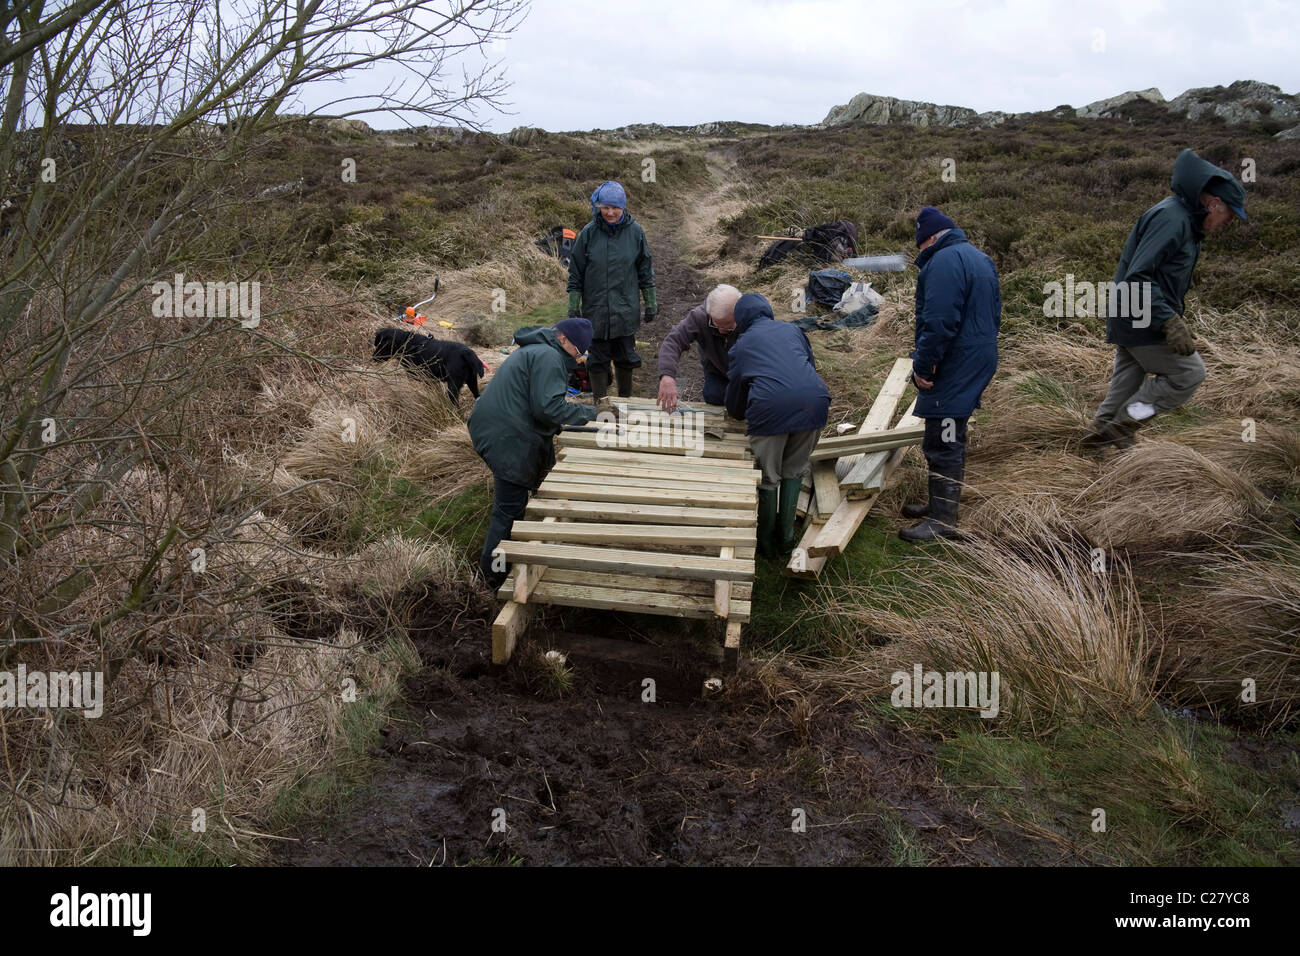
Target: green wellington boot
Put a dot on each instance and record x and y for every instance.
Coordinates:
(767, 508)
(787, 514)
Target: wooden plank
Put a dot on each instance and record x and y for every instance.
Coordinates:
(640, 602)
(722, 587)
(649, 458)
(864, 445)
(836, 534)
(801, 564)
(740, 590)
(825, 489)
(634, 403)
(646, 496)
(882, 409)
(871, 468)
(664, 484)
(635, 562)
(508, 627)
(872, 439)
(732, 639)
(631, 534)
(804, 562)
(644, 514)
(594, 440)
(667, 470)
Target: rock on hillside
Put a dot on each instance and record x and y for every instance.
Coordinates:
(887, 111)
(1113, 107)
(1246, 101)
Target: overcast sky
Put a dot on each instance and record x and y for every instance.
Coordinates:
(583, 64)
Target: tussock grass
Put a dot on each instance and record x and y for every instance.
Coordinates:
(1068, 642)
(446, 464)
(1160, 494)
(1239, 620)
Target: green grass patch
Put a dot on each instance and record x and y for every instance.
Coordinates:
(1173, 792)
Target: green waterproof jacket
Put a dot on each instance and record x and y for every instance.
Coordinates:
(1161, 253)
(607, 267)
(523, 406)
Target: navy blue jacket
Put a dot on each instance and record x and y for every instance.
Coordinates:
(958, 315)
(772, 380)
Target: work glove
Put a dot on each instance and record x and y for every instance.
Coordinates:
(650, 316)
(1179, 336)
(575, 305)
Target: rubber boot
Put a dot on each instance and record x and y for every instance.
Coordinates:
(945, 497)
(767, 511)
(787, 514)
(624, 378)
(1121, 434)
(599, 378)
(916, 509)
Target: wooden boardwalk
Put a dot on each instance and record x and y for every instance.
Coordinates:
(654, 515)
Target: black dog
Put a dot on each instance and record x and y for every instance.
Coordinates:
(448, 362)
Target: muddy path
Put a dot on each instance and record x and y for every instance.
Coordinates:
(488, 766)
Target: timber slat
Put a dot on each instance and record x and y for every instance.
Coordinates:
(631, 534)
(646, 496)
(645, 514)
(627, 561)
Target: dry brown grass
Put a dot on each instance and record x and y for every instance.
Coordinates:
(446, 464)
(1160, 495)
(1238, 621)
(1067, 641)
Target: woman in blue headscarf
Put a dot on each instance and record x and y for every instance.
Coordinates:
(610, 263)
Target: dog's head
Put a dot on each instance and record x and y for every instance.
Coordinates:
(388, 343)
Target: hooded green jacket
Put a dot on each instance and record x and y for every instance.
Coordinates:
(1162, 250)
(523, 406)
(607, 267)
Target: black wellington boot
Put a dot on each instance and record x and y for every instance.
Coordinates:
(945, 497)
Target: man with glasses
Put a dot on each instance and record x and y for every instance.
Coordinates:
(712, 326)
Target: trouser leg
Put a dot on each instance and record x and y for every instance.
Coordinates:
(1174, 379)
(769, 453)
(509, 501)
(1125, 379)
(715, 387)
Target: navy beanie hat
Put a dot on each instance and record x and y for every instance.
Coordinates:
(576, 330)
(931, 221)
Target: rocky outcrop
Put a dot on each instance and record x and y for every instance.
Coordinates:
(526, 136)
(1114, 107)
(1292, 133)
(1246, 101)
(869, 109)
(346, 127)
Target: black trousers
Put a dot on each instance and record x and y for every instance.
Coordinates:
(508, 503)
(945, 457)
(621, 350)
